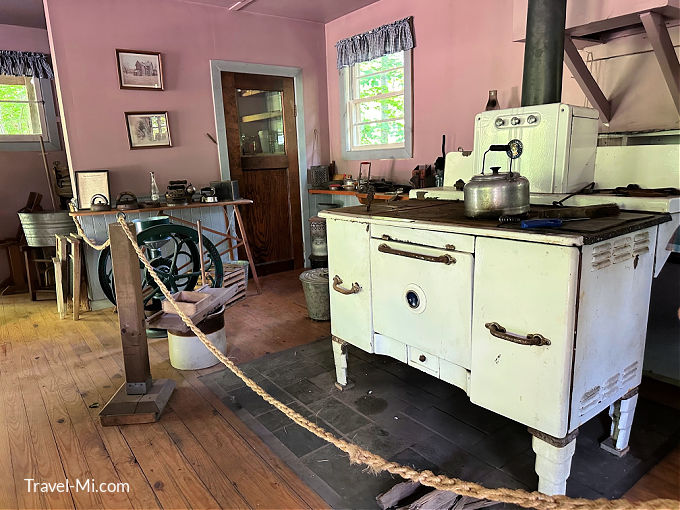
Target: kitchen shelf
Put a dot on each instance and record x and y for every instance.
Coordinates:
(261, 116)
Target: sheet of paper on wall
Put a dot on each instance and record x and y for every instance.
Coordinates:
(90, 183)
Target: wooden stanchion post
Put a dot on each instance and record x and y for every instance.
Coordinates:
(139, 399)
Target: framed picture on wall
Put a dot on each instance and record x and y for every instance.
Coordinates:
(147, 130)
(90, 184)
(139, 69)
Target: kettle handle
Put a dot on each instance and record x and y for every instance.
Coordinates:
(494, 148)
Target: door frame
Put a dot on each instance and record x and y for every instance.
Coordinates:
(216, 69)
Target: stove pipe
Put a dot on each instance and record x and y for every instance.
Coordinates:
(544, 52)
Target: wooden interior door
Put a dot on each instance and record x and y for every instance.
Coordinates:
(262, 142)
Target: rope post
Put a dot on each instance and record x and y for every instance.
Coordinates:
(139, 399)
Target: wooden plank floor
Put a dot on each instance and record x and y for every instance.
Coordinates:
(56, 374)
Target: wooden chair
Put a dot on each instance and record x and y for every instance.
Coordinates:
(17, 282)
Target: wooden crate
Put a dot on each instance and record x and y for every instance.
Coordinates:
(235, 276)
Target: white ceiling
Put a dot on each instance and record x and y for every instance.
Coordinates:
(29, 13)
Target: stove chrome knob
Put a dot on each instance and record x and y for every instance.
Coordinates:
(532, 119)
(499, 122)
(422, 358)
(515, 121)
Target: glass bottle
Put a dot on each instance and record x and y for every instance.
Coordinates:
(155, 195)
(492, 103)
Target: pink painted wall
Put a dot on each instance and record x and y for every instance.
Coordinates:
(463, 49)
(21, 171)
(84, 36)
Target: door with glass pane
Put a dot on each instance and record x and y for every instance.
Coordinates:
(262, 142)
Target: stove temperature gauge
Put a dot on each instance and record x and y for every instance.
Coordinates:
(515, 149)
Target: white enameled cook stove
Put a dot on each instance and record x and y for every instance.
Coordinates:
(546, 327)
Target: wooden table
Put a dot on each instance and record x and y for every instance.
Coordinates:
(233, 241)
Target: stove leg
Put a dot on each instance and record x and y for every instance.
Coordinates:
(340, 358)
(622, 412)
(553, 462)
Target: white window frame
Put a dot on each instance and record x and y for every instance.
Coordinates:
(48, 123)
(347, 103)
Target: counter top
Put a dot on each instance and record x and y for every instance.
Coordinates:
(448, 215)
(360, 196)
(166, 207)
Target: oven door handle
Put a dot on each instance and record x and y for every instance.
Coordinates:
(500, 332)
(337, 281)
(441, 259)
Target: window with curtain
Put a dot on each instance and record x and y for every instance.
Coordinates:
(26, 103)
(22, 115)
(376, 92)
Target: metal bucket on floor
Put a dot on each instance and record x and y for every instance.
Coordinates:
(187, 352)
(317, 295)
(40, 227)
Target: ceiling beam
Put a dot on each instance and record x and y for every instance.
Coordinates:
(657, 33)
(585, 79)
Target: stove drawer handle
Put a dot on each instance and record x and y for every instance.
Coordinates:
(441, 259)
(531, 339)
(337, 281)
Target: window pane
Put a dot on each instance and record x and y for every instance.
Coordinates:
(381, 133)
(13, 93)
(19, 119)
(381, 109)
(260, 121)
(381, 64)
(383, 83)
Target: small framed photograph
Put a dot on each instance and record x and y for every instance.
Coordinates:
(90, 183)
(139, 69)
(147, 130)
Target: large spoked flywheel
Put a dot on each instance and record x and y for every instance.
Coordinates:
(173, 252)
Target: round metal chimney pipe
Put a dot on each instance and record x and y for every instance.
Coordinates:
(544, 52)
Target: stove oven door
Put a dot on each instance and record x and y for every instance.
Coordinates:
(422, 297)
(524, 314)
(349, 273)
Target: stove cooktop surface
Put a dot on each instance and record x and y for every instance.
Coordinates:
(653, 200)
(451, 212)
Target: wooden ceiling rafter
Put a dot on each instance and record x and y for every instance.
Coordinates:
(660, 39)
(585, 79)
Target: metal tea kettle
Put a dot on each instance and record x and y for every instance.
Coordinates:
(499, 193)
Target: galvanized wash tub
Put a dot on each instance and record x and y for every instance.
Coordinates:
(40, 227)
